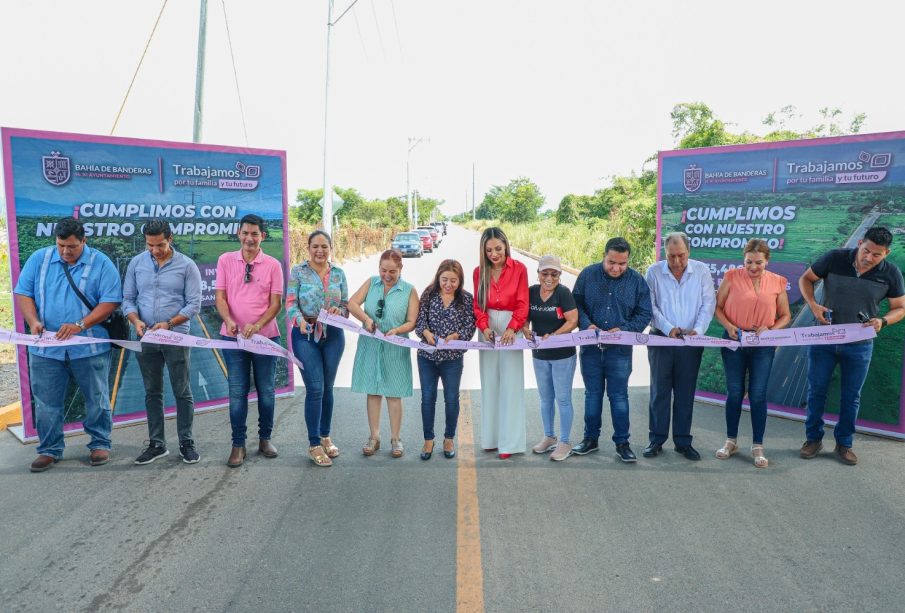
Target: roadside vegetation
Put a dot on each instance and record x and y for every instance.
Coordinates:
(582, 223)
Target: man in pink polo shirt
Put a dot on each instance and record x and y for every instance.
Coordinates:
(249, 297)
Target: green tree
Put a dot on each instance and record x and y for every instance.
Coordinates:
(309, 209)
(517, 202)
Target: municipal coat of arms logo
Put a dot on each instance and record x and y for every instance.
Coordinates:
(56, 168)
(693, 178)
(642, 338)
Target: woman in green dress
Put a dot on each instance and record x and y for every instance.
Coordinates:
(389, 304)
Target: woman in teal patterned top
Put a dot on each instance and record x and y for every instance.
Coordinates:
(389, 304)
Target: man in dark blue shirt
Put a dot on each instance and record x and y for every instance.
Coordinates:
(855, 281)
(610, 297)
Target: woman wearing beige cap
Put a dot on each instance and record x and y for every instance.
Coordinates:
(552, 310)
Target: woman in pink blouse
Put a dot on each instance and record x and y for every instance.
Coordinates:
(750, 299)
(501, 309)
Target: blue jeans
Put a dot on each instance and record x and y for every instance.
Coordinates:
(673, 379)
(429, 372)
(606, 370)
(50, 379)
(239, 365)
(321, 361)
(756, 363)
(853, 360)
(554, 385)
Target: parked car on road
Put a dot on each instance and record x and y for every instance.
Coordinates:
(427, 243)
(435, 235)
(441, 226)
(408, 243)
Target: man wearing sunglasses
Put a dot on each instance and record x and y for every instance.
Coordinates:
(249, 296)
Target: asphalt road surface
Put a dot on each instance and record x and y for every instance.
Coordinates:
(473, 533)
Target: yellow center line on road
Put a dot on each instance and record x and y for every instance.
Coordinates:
(469, 569)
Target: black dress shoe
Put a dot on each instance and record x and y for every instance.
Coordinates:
(689, 452)
(425, 454)
(652, 450)
(625, 453)
(586, 446)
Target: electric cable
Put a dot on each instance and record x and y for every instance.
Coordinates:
(137, 68)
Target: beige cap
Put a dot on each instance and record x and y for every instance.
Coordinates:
(549, 262)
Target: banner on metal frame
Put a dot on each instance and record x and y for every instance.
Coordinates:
(804, 198)
(114, 185)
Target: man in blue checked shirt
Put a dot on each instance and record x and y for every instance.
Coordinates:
(611, 297)
(48, 302)
(683, 302)
(162, 291)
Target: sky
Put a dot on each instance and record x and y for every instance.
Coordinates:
(566, 93)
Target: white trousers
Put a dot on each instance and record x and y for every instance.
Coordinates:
(502, 394)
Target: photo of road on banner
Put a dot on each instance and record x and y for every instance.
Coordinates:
(803, 198)
(113, 186)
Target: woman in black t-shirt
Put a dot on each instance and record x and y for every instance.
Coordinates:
(551, 311)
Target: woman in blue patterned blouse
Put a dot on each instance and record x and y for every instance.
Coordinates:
(317, 284)
(445, 313)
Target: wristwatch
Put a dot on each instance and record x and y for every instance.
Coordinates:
(884, 322)
(169, 323)
(81, 325)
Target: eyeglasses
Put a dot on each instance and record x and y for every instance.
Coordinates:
(380, 304)
(550, 273)
(248, 269)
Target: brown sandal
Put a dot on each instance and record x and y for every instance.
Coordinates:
(319, 456)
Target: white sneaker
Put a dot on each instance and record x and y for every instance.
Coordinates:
(547, 444)
(562, 451)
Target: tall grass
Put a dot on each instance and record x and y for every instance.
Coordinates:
(578, 245)
(349, 241)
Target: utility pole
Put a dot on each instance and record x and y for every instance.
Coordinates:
(473, 203)
(413, 142)
(327, 203)
(199, 73)
(327, 206)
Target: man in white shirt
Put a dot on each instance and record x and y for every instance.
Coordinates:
(682, 295)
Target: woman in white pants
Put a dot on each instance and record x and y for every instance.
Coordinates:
(501, 309)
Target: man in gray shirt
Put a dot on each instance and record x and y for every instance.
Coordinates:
(162, 291)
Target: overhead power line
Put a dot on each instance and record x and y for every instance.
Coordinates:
(360, 37)
(396, 27)
(137, 68)
(379, 34)
(235, 72)
(341, 15)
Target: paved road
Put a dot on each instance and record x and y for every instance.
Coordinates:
(377, 534)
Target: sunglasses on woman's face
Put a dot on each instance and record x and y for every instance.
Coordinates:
(380, 304)
(248, 269)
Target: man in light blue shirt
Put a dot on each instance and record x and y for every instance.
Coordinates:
(47, 302)
(162, 291)
(683, 300)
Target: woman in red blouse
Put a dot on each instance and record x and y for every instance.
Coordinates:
(501, 309)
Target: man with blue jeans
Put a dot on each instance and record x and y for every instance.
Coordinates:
(162, 291)
(48, 302)
(610, 297)
(855, 282)
(249, 296)
(683, 302)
